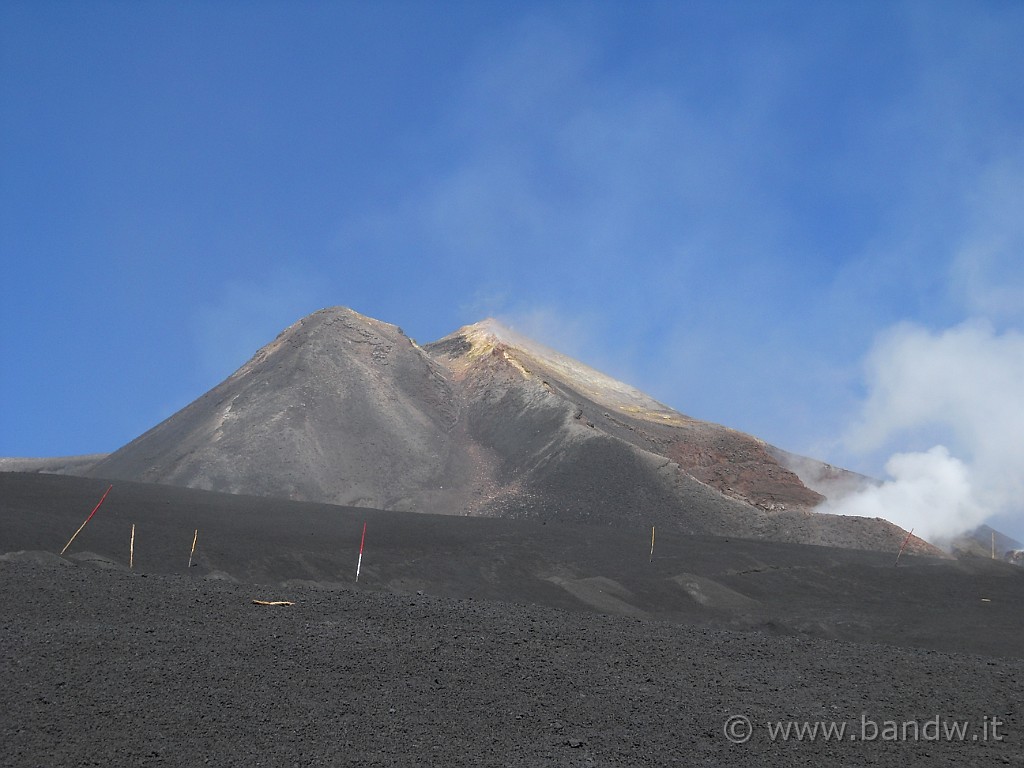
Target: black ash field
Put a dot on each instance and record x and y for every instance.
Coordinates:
(475, 641)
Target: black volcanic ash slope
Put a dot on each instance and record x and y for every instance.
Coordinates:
(344, 409)
(111, 669)
(939, 603)
(171, 665)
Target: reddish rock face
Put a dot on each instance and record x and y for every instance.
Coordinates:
(344, 409)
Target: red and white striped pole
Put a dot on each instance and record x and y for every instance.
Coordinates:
(359, 564)
(905, 542)
(102, 498)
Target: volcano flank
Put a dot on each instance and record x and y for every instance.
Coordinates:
(344, 409)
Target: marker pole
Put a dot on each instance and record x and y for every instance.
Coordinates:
(652, 545)
(359, 564)
(194, 540)
(131, 549)
(87, 519)
(904, 546)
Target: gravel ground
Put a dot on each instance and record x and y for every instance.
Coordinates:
(109, 668)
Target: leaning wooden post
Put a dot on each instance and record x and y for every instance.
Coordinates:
(131, 549)
(652, 545)
(194, 539)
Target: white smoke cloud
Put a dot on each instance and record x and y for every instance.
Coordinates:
(964, 385)
(930, 493)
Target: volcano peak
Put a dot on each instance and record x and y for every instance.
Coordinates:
(490, 337)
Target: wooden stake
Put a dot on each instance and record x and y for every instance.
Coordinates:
(87, 519)
(652, 545)
(993, 545)
(194, 539)
(131, 550)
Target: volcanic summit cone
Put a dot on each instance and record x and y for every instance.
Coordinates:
(345, 409)
(338, 408)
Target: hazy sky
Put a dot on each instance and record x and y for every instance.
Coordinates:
(755, 211)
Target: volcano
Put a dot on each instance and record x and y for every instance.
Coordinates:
(344, 409)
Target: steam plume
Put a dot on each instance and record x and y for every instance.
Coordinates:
(963, 386)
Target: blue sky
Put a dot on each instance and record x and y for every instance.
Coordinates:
(739, 207)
